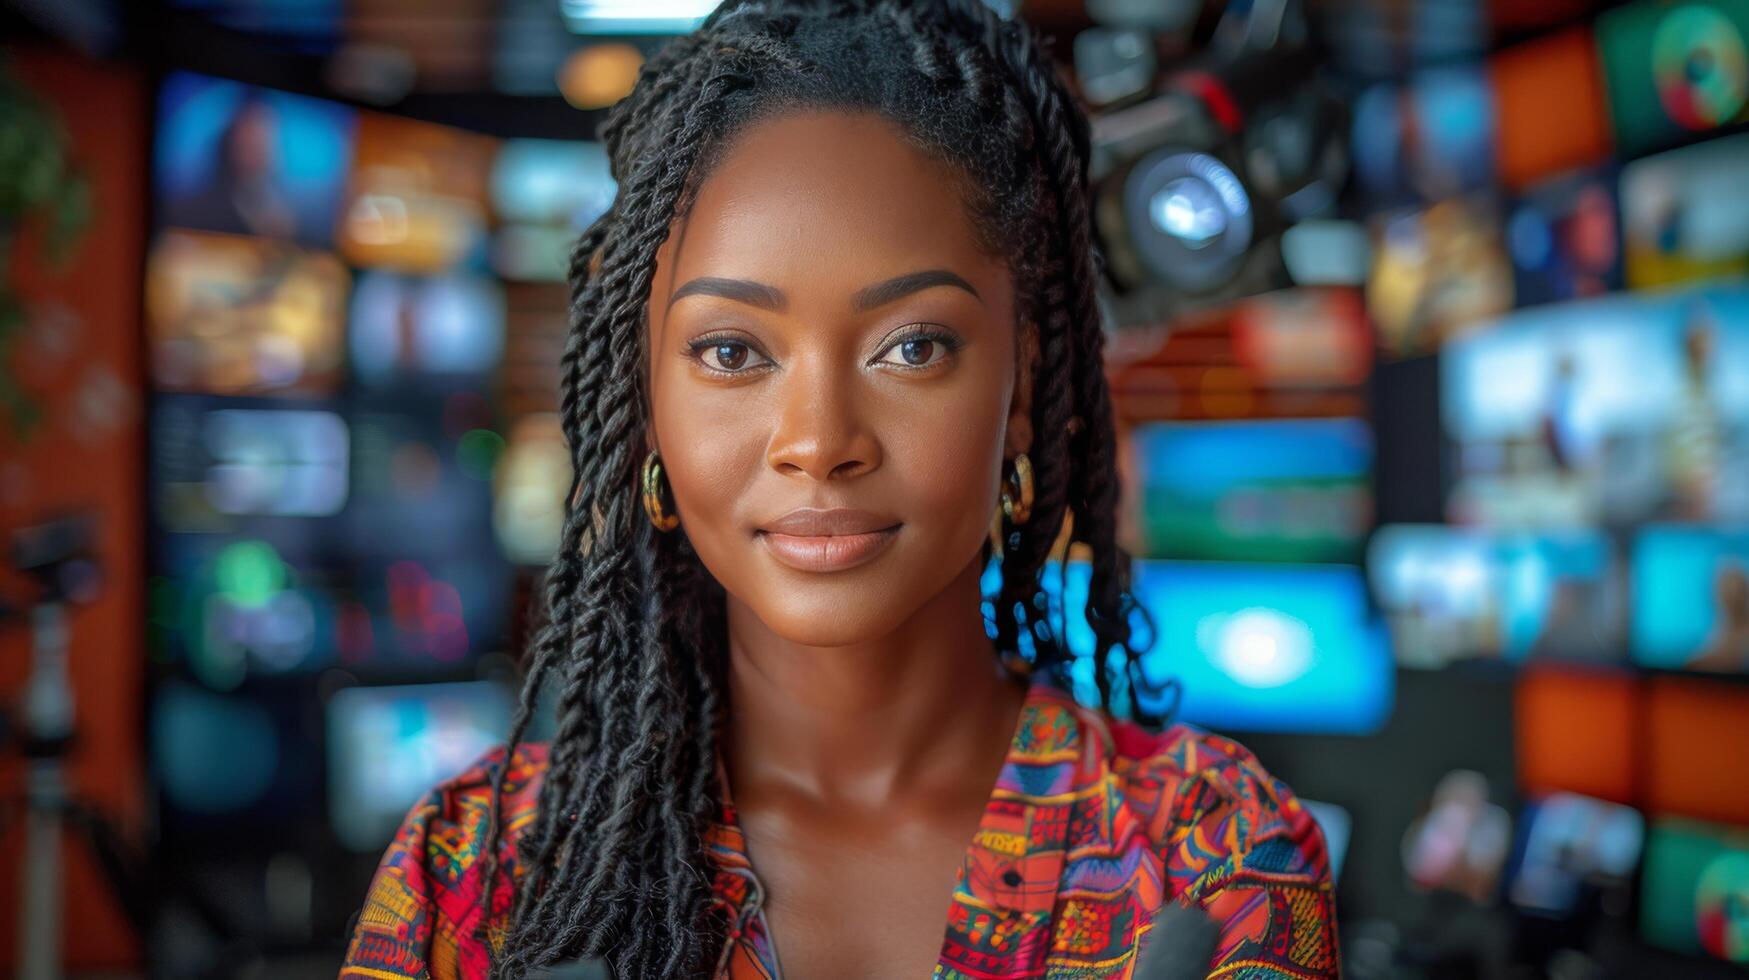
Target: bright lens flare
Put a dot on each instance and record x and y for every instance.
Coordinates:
(1259, 647)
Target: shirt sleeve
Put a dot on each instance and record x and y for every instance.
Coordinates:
(1250, 854)
(422, 912)
(392, 938)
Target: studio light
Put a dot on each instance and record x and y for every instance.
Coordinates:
(1199, 172)
(1190, 217)
(634, 16)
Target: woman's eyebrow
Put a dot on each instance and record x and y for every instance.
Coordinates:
(740, 290)
(868, 298)
(882, 293)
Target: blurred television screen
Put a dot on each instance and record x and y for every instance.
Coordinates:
(1430, 140)
(215, 459)
(1565, 239)
(528, 503)
(428, 615)
(1294, 353)
(1684, 214)
(1459, 593)
(438, 330)
(412, 472)
(388, 746)
(229, 609)
(224, 762)
(1550, 109)
(1618, 410)
(533, 253)
(418, 196)
(235, 158)
(1578, 730)
(1436, 273)
(232, 315)
(1460, 842)
(546, 192)
(1695, 889)
(1674, 69)
(1327, 252)
(1694, 729)
(1253, 647)
(552, 182)
(1290, 490)
(1571, 845)
(1304, 338)
(1691, 598)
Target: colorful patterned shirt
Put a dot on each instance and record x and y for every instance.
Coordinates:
(1093, 825)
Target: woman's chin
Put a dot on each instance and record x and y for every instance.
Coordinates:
(827, 621)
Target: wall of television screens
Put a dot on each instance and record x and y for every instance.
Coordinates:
(345, 477)
(1559, 246)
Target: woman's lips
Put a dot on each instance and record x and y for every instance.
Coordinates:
(811, 540)
(827, 553)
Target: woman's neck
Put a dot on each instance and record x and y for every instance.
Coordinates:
(924, 706)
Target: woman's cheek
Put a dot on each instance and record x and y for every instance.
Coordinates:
(952, 459)
(712, 448)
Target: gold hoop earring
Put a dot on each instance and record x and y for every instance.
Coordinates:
(1017, 491)
(663, 520)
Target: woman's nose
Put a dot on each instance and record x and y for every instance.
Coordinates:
(822, 430)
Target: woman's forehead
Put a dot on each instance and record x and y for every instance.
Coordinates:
(817, 188)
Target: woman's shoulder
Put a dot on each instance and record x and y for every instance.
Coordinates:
(429, 883)
(1228, 835)
(1198, 766)
(471, 788)
(1192, 788)
(459, 809)
(1174, 752)
(444, 833)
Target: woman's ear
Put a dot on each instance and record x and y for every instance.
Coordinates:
(1020, 406)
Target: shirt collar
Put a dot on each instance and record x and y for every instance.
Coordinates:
(1014, 862)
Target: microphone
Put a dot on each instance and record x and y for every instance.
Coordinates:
(1180, 945)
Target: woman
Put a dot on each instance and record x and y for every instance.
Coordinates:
(842, 307)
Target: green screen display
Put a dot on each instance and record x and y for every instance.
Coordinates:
(1674, 67)
(1695, 892)
(1288, 490)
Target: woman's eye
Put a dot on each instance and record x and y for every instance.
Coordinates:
(915, 352)
(729, 356)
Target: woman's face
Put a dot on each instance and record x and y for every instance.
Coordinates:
(833, 376)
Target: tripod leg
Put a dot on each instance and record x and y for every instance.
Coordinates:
(39, 915)
(122, 869)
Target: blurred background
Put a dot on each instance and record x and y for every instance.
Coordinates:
(1429, 337)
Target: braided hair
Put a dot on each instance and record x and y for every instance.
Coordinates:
(634, 638)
